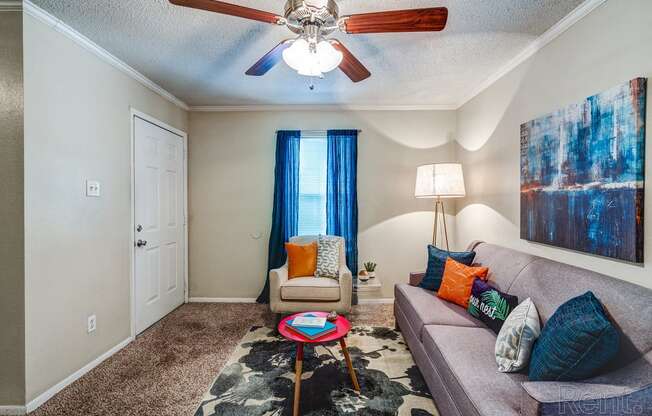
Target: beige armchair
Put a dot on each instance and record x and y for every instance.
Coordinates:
(303, 294)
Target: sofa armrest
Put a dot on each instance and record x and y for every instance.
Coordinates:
(628, 380)
(561, 391)
(346, 286)
(583, 399)
(416, 278)
(276, 279)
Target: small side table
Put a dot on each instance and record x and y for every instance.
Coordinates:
(343, 328)
(370, 285)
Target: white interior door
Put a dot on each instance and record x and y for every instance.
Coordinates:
(159, 221)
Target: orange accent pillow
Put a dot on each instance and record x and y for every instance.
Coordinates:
(458, 280)
(302, 260)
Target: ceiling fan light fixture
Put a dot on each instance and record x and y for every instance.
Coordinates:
(312, 62)
(329, 57)
(311, 54)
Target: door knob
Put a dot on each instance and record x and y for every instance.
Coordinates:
(141, 243)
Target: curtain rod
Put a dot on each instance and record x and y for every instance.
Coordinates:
(320, 131)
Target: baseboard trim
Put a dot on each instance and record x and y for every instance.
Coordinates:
(222, 300)
(48, 394)
(12, 410)
(380, 301)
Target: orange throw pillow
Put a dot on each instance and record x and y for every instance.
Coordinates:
(458, 280)
(302, 260)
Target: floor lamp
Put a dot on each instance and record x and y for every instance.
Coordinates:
(440, 181)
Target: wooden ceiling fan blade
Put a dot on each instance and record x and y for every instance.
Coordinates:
(350, 65)
(270, 59)
(230, 9)
(416, 20)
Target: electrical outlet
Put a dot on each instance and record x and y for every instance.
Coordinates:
(92, 323)
(93, 189)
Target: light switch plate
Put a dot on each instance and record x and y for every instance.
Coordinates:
(92, 323)
(93, 189)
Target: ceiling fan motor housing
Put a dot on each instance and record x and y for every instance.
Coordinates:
(321, 13)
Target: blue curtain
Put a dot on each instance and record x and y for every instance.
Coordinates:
(285, 215)
(342, 193)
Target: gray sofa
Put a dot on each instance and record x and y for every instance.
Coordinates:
(455, 352)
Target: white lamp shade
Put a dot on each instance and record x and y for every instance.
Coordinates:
(440, 180)
(325, 58)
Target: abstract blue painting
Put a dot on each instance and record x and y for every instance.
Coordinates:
(583, 175)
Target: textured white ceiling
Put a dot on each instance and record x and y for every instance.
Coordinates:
(201, 57)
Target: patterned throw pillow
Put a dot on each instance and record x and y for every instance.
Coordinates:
(328, 257)
(436, 263)
(577, 341)
(490, 305)
(517, 337)
(458, 281)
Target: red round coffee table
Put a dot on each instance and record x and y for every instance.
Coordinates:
(343, 328)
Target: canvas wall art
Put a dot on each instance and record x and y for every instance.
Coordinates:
(582, 175)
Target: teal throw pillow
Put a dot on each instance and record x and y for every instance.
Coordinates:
(576, 342)
(436, 263)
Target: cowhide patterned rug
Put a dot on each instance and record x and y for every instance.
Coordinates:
(258, 379)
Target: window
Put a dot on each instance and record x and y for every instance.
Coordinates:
(312, 183)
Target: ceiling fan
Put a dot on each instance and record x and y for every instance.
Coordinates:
(312, 53)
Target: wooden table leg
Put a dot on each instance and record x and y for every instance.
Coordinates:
(349, 364)
(297, 380)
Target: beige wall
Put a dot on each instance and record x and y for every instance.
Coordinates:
(231, 161)
(608, 47)
(12, 261)
(77, 127)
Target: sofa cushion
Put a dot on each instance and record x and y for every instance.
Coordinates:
(311, 288)
(437, 262)
(464, 357)
(490, 305)
(458, 280)
(504, 264)
(550, 284)
(576, 343)
(517, 337)
(422, 307)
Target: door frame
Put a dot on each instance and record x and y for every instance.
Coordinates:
(133, 114)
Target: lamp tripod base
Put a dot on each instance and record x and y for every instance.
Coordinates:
(439, 208)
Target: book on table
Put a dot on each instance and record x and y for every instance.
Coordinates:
(310, 321)
(312, 333)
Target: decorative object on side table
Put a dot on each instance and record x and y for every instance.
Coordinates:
(332, 317)
(363, 276)
(440, 181)
(370, 268)
(582, 175)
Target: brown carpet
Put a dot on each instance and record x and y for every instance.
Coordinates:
(169, 367)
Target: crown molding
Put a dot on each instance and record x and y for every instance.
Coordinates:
(548, 36)
(11, 6)
(58, 25)
(335, 107)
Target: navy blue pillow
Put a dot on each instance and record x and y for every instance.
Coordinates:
(577, 341)
(437, 261)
